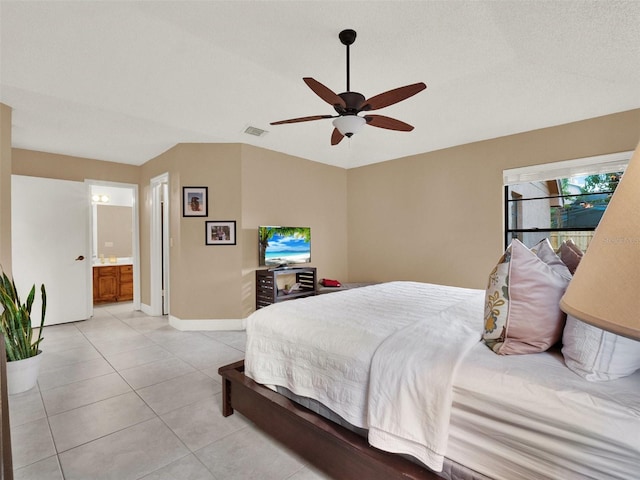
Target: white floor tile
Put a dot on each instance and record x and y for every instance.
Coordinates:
(213, 373)
(145, 324)
(137, 357)
(74, 373)
(309, 473)
(206, 354)
(31, 443)
(179, 392)
(118, 308)
(47, 469)
(98, 327)
(76, 340)
(77, 394)
(187, 468)
(168, 334)
(237, 340)
(248, 454)
(125, 455)
(120, 343)
(52, 360)
(81, 425)
(57, 333)
(141, 411)
(156, 372)
(26, 407)
(185, 344)
(200, 424)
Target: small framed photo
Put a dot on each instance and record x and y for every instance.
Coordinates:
(195, 202)
(220, 233)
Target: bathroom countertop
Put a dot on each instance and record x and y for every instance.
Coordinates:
(107, 263)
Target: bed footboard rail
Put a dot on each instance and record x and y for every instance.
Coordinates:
(331, 448)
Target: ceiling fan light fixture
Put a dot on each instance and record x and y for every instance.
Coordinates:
(349, 124)
(349, 104)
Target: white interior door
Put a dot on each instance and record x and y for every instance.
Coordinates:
(160, 245)
(49, 235)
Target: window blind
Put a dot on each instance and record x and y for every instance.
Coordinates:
(614, 162)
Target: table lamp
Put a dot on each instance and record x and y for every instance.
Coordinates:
(605, 290)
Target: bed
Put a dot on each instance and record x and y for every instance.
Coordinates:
(393, 381)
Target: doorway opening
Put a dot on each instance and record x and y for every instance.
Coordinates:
(115, 245)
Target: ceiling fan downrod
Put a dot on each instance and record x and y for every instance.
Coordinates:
(347, 37)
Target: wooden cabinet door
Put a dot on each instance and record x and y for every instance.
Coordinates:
(106, 284)
(113, 283)
(96, 290)
(126, 283)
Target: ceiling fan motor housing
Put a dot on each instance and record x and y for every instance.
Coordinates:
(353, 101)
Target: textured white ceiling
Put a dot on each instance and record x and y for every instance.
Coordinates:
(125, 81)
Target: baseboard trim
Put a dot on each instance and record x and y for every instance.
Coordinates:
(206, 324)
(146, 309)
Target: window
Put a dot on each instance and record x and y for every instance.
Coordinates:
(516, 213)
(560, 200)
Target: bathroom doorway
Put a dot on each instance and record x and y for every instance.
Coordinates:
(114, 243)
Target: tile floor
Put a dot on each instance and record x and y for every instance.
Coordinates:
(126, 396)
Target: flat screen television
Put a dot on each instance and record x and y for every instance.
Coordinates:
(282, 246)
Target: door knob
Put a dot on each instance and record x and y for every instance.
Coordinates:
(80, 257)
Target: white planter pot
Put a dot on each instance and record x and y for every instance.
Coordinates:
(22, 375)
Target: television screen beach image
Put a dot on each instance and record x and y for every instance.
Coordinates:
(280, 246)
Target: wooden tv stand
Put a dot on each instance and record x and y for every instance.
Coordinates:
(267, 291)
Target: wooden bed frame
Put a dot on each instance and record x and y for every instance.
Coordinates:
(331, 448)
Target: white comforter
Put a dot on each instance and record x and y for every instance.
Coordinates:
(412, 376)
(324, 348)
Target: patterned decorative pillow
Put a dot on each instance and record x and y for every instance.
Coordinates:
(597, 355)
(522, 302)
(570, 255)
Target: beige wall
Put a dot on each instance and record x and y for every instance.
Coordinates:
(114, 228)
(205, 280)
(279, 189)
(64, 167)
(438, 217)
(5, 188)
(246, 185)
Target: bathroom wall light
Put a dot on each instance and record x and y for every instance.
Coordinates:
(100, 198)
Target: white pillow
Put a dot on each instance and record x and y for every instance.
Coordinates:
(598, 355)
(544, 252)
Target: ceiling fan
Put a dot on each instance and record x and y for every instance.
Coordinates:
(349, 104)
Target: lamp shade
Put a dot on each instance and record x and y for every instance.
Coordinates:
(605, 290)
(349, 124)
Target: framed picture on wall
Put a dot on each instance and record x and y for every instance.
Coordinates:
(195, 202)
(220, 233)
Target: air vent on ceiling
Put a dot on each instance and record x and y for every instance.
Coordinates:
(258, 132)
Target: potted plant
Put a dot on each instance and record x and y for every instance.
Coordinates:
(23, 354)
